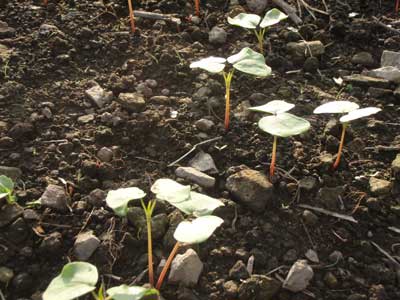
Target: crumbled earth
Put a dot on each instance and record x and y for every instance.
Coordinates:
(87, 107)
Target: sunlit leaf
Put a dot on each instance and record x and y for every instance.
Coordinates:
(170, 190)
(359, 113)
(6, 183)
(283, 125)
(76, 279)
(198, 230)
(211, 64)
(250, 62)
(125, 292)
(249, 21)
(273, 107)
(118, 200)
(336, 107)
(272, 17)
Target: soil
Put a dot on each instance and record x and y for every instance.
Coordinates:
(42, 92)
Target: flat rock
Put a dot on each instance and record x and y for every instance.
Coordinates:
(186, 269)
(195, 176)
(379, 186)
(302, 49)
(9, 213)
(217, 35)
(298, 277)
(86, 119)
(312, 256)
(259, 287)
(366, 81)
(396, 167)
(13, 173)
(86, 243)
(98, 95)
(329, 196)
(204, 163)
(133, 102)
(388, 73)
(390, 58)
(55, 197)
(251, 188)
(363, 58)
(6, 31)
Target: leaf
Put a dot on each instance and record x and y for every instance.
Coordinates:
(183, 198)
(273, 107)
(6, 184)
(250, 62)
(118, 200)
(336, 107)
(211, 64)
(76, 279)
(3, 195)
(125, 292)
(249, 21)
(198, 230)
(245, 53)
(359, 113)
(284, 125)
(272, 17)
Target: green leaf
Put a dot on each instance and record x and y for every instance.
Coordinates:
(6, 184)
(211, 64)
(183, 198)
(125, 292)
(249, 21)
(198, 230)
(336, 107)
(359, 113)
(118, 200)
(272, 17)
(273, 107)
(250, 62)
(283, 125)
(76, 279)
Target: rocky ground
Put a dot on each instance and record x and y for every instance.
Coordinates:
(86, 107)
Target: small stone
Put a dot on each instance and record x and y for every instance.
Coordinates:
(133, 102)
(217, 35)
(13, 173)
(17, 232)
(252, 188)
(144, 89)
(379, 186)
(47, 113)
(97, 197)
(242, 111)
(9, 213)
(163, 100)
(55, 197)
(312, 256)
(259, 287)
(86, 243)
(6, 274)
(186, 269)
(326, 160)
(396, 92)
(302, 49)
(105, 154)
(204, 163)
(329, 196)
(231, 289)
(363, 58)
(6, 31)
(298, 277)
(309, 217)
(204, 125)
(311, 64)
(331, 280)
(390, 59)
(51, 244)
(21, 130)
(335, 256)
(256, 6)
(308, 183)
(388, 73)
(195, 176)
(98, 95)
(396, 167)
(366, 81)
(31, 215)
(239, 271)
(86, 119)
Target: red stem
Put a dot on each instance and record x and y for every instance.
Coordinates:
(131, 16)
(273, 158)
(336, 164)
(197, 5)
(167, 265)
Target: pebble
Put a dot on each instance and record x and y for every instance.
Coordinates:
(204, 163)
(308, 183)
(335, 256)
(21, 130)
(86, 119)
(217, 35)
(105, 154)
(86, 243)
(298, 277)
(133, 102)
(301, 49)
(256, 6)
(9, 213)
(6, 274)
(186, 269)
(312, 256)
(363, 58)
(390, 59)
(22, 282)
(6, 31)
(239, 271)
(379, 186)
(51, 244)
(13, 173)
(55, 197)
(388, 73)
(98, 95)
(204, 125)
(311, 64)
(366, 81)
(331, 280)
(329, 196)
(396, 167)
(231, 289)
(310, 218)
(195, 176)
(97, 197)
(259, 287)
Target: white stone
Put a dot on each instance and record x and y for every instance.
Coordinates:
(98, 95)
(204, 163)
(390, 58)
(86, 243)
(298, 277)
(186, 269)
(217, 35)
(195, 176)
(389, 73)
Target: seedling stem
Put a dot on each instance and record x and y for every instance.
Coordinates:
(197, 6)
(228, 79)
(260, 37)
(131, 16)
(339, 154)
(167, 265)
(273, 159)
(148, 211)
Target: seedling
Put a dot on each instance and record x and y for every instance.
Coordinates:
(7, 189)
(352, 112)
(246, 61)
(80, 278)
(280, 124)
(131, 16)
(118, 201)
(254, 22)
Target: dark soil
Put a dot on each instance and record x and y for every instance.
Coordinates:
(42, 95)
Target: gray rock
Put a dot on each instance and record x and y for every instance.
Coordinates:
(363, 58)
(51, 244)
(46, 29)
(159, 223)
(390, 58)
(133, 102)
(31, 215)
(308, 183)
(98, 95)
(6, 31)
(97, 197)
(252, 188)
(204, 163)
(13, 173)
(86, 243)
(396, 167)
(239, 271)
(302, 49)
(379, 186)
(17, 232)
(298, 277)
(204, 125)
(55, 197)
(366, 81)
(9, 213)
(21, 130)
(231, 288)
(186, 269)
(105, 154)
(329, 196)
(259, 287)
(388, 73)
(309, 217)
(85, 119)
(144, 89)
(396, 92)
(195, 176)
(202, 93)
(217, 35)
(312, 256)
(311, 64)
(256, 6)
(6, 274)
